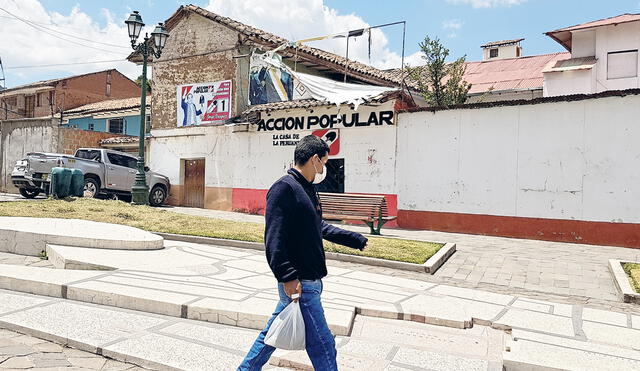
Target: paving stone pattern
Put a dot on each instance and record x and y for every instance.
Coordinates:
(231, 286)
(508, 265)
(21, 352)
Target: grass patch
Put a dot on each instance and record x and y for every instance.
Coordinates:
(633, 271)
(159, 220)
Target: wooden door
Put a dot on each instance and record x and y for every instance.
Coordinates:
(194, 183)
(29, 105)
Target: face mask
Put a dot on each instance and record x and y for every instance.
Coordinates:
(319, 176)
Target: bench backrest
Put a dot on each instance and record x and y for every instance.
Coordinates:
(348, 204)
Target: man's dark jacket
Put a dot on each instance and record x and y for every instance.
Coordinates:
(295, 229)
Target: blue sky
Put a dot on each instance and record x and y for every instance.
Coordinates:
(462, 25)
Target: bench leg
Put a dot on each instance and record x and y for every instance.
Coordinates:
(374, 231)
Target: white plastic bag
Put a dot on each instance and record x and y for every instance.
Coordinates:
(287, 329)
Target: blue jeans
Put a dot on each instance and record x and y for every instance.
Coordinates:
(321, 347)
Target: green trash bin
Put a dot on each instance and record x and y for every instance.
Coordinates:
(60, 182)
(77, 183)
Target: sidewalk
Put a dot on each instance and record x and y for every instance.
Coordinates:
(19, 351)
(547, 270)
(381, 321)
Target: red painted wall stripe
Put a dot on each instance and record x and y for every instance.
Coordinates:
(246, 200)
(559, 230)
(253, 201)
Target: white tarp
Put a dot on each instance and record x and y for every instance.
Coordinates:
(328, 90)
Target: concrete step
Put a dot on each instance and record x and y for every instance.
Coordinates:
(146, 340)
(29, 236)
(532, 351)
(385, 344)
(180, 294)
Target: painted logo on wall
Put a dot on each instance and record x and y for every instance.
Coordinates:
(206, 103)
(332, 137)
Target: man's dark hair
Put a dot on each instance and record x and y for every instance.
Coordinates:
(309, 146)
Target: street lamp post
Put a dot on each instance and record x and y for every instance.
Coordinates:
(140, 189)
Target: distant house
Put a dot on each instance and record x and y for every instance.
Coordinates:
(51, 97)
(116, 116)
(604, 56)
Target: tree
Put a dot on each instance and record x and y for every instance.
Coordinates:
(440, 83)
(139, 82)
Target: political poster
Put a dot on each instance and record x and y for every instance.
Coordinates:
(270, 84)
(206, 103)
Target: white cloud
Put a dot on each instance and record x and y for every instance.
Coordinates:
(453, 26)
(299, 19)
(487, 3)
(37, 46)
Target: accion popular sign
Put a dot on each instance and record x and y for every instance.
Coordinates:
(326, 121)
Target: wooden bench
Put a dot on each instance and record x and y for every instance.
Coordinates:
(345, 206)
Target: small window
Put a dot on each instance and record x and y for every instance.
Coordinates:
(518, 51)
(91, 126)
(108, 77)
(115, 126)
(115, 159)
(52, 97)
(148, 124)
(622, 64)
(39, 99)
(493, 53)
(108, 92)
(121, 160)
(88, 154)
(131, 162)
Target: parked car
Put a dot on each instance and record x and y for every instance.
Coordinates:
(106, 172)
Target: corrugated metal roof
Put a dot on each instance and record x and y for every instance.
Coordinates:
(584, 63)
(563, 35)
(509, 74)
(623, 18)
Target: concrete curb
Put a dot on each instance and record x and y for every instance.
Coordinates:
(430, 266)
(629, 295)
(212, 241)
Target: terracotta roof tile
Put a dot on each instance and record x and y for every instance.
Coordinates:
(500, 43)
(306, 103)
(108, 105)
(354, 68)
(120, 140)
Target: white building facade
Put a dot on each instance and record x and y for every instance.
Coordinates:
(604, 56)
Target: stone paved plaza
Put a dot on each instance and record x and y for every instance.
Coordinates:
(546, 270)
(21, 352)
(228, 292)
(199, 307)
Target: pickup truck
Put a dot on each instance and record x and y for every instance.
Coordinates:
(106, 172)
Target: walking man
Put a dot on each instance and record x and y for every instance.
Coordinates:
(293, 237)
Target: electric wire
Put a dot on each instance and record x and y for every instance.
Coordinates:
(42, 29)
(63, 64)
(66, 34)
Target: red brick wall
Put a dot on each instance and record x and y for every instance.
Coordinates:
(72, 139)
(93, 88)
